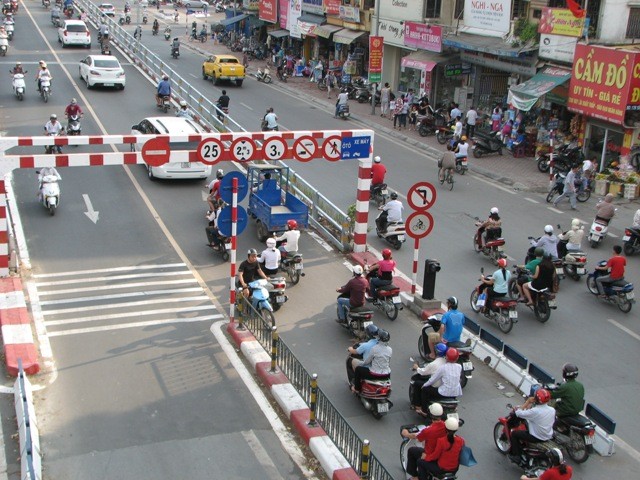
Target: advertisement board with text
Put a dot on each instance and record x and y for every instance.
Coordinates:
(268, 11)
(560, 21)
(423, 37)
(492, 15)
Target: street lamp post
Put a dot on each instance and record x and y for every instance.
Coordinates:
(375, 85)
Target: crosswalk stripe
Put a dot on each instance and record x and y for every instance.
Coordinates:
(121, 326)
(115, 287)
(105, 270)
(122, 305)
(143, 293)
(110, 279)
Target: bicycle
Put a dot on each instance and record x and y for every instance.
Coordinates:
(448, 178)
(322, 84)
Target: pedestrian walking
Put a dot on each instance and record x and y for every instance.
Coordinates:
(403, 113)
(472, 118)
(570, 189)
(385, 99)
(397, 111)
(205, 8)
(331, 81)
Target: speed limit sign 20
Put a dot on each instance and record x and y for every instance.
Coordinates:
(210, 151)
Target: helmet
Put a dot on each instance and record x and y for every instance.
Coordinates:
(371, 330)
(292, 224)
(435, 322)
(548, 229)
(393, 196)
(357, 270)
(252, 251)
(569, 370)
(73, 101)
(453, 302)
(555, 457)
(43, 65)
(377, 159)
(542, 395)
(502, 262)
(41, 62)
(539, 252)
(494, 210)
(464, 137)
(435, 409)
(271, 242)
(441, 349)
(608, 198)
(452, 355)
(219, 173)
(575, 222)
(386, 253)
(383, 335)
(451, 424)
(53, 116)
(18, 63)
(183, 103)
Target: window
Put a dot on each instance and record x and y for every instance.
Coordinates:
(633, 25)
(537, 13)
(433, 9)
(459, 10)
(520, 8)
(557, 4)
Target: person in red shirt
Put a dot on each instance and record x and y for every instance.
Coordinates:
(428, 436)
(73, 109)
(615, 265)
(558, 471)
(378, 171)
(446, 456)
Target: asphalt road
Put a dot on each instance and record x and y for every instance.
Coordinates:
(600, 339)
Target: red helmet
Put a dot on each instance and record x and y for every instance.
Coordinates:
(386, 253)
(542, 395)
(502, 262)
(452, 355)
(292, 224)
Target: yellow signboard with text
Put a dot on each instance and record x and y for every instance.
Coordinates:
(560, 21)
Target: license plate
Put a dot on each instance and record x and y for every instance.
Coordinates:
(513, 314)
(464, 164)
(108, 84)
(630, 295)
(581, 271)
(474, 147)
(396, 299)
(453, 415)
(383, 407)
(500, 248)
(366, 324)
(401, 238)
(559, 271)
(298, 266)
(281, 298)
(589, 440)
(385, 192)
(466, 366)
(552, 303)
(626, 238)
(227, 246)
(185, 165)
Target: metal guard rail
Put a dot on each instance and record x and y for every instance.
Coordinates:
(325, 216)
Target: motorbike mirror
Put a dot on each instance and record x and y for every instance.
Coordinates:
(559, 227)
(481, 269)
(38, 172)
(135, 127)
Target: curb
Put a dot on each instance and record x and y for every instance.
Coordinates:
(293, 405)
(16, 328)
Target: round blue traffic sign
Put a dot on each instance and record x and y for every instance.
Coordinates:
(225, 186)
(224, 221)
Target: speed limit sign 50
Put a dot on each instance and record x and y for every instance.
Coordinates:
(210, 151)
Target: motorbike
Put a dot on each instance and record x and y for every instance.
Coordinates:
(263, 75)
(407, 443)
(154, 31)
(175, 52)
(51, 149)
(4, 46)
(167, 34)
(619, 292)
(543, 300)
(461, 165)
(444, 134)
(374, 395)
(199, 37)
(277, 287)
(582, 194)
(259, 300)
(45, 88)
(281, 74)
(501, 310)
(379, 193)
(145, 19)
(493, 245)
(73, 126)
(343, 111)
(50, 197)
(357, 319)
(563, 157)
(394, 234)
(487, 145)
(105, 48)
(388, 297)
(219, 7)
(46, 3)
(291, 263)
(9, 28)
(224, 247)
(429, 124)
(464, 349)
(631, 241)
(599, 229)
(19, 85)
(166, 103)
(574, 262)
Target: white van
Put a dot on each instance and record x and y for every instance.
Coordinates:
(173, 126)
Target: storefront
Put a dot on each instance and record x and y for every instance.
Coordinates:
(351, 51)
(324, 45)
(426, 74)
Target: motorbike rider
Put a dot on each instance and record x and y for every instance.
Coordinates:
(548, 242)
(449, 374)
(498, 285)
(451, 325)
(223, 103)
(391, 212)
(183, 111)
(531, 268)
(45, 172)
(381, 273)
(175, 45)
(43, 72)
(571, 241)
(270, 257)
(361, 350)
(457, 129)
(542, 278)
(73, 109)
(137, 33)
(426, 371)
(248, 271)
(213, 233)
(569, 395)
(18, 69)
(155, 27)
(540, 419)
(492, 226)
(271, 120)
(103, 31)
(463, 148)
(163, 89)
(377, 364)
(352, 293)
(289, 239)
(214, 189)
(615, 265)
(636, 219)
(378, 172)
(427, 436)
(167, 30)
(447, 162)
(605, 210)
(53, 127)
(559, 470)
(446, 456)
(343, 99)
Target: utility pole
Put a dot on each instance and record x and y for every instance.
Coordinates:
(374, 86)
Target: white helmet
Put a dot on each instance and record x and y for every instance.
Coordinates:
(271, 243)
(494, 210)
(435, 409)
(183, 103)
(548, 229)
(357, 270)
(575, 223)
(377, 159)
(451, 424)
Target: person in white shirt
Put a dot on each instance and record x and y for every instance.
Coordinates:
(573, 238)
(272, 120)
(540, 420)
(462, 148)
(53, 126)
(391, 212)
(457, 132)
(46, 172)
(289, 238)
(636, 219)
(343, 99)
(43, 72)
(472, 118)
(426, 371)
(213, 233)
(449, 373)
(455, 112)
(270, 257)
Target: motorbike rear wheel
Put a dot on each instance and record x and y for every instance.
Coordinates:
(500, 438)
(294, 274)
(52, 212)
(441, 137)
(423, 130)
(570, 271)
(505, 324)
(624, 304)
(477, 153)
(390, 309)
(628, 249)
(583, 195)
(576, 448)
(541, 309)
(543, 164)
(591, 285)
(513, 289)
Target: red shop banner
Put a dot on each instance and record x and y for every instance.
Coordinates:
(268, 10)
(376, 45)
(332, 7)
(603, 82)
(284, 13)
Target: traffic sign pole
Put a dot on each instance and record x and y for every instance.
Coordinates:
(234, 223)
(414, 273)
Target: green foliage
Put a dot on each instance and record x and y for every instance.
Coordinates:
(525, 31)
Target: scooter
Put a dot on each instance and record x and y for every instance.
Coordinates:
(502, 310)
(50, 193)
(73, 126)
(357, 319)
(4, 46)
(154, 31)
(407, 443)
(51, 149)
(276, 288)
(281, 74)
(263, 75)
(563, 158)
(388, 297)
(619, 292)
(19, 85)
(9, 28)
(486, 146)
(574, 262)
(167, 33)
(631, 241)
(165, 104)
(543, 300)
(45, 88)
(394, 234)
(374, 396)
(259, 301)
(493, 245)
(343, 111)
(461, 165)
(599, 230)
(175, 52)
(379, 193)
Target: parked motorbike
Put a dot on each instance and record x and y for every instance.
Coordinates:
(487, 145)
(50, 197)
(582, 195)
(73, 126)
(493, 245)
(379, 193)
(444, 134)
(599, 229)
(543, 300)
(45, 88)
(165, 105)
(619, 292)
(374, 395)
(394, 234)
(429, 124)
(19, 85)
(263, 75)
(343, 111)
(501, 310)
(631, 241)
(461, 165)
(563, 158)
(357, 320)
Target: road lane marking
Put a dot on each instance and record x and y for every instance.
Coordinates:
(553, 209)
(320, 240)
(107, 270)
(635, 454)
(87, 308)
(531, 200)
(269, 469)
(612, 235)
(246, 106)
(194, 76)
(137, 313)
(623, 328)
(114, 287)
(109, 279)
(145, 293)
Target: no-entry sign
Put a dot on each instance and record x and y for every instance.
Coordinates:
(156, 152)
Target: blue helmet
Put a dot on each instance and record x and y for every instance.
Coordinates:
(371, 330)
(441, 349)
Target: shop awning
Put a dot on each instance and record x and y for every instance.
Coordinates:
(325, 31)
(420, 60)
(279, 33)
(230, 21)
(311, 18)
(346, 36)
(478, 43)
(525, 95)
